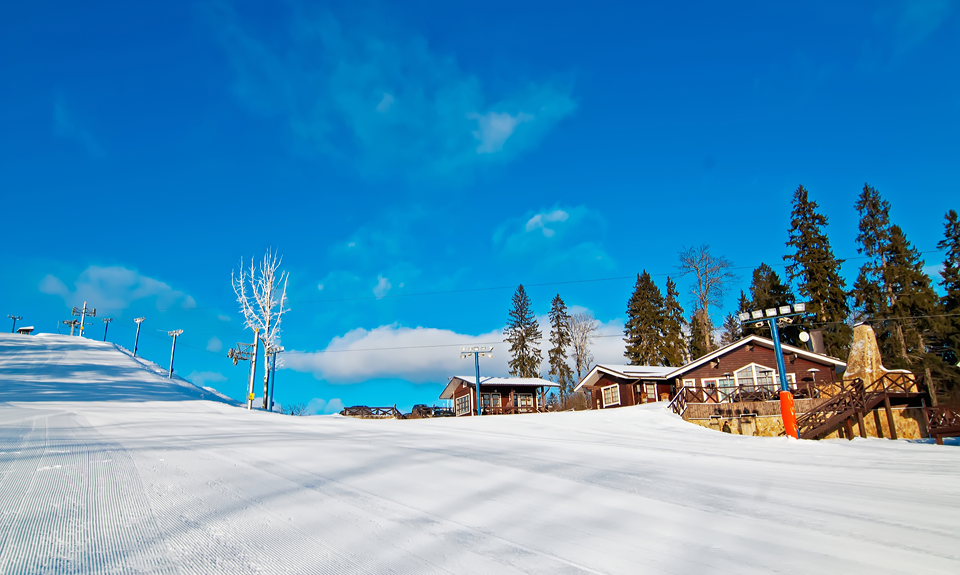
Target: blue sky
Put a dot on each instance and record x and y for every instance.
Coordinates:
(395, 149)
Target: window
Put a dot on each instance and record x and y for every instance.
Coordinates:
(525, 399)
(726, 381)
(689, 383)
(485, 399)
(496, 399)
(611, 395)
(651, 392)
(764, 376)
(745, 376)
(463, 405)
(756, 376)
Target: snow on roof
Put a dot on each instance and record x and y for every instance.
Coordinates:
(625, 372)
(471, 380)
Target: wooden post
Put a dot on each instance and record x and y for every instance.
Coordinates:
(876, 421)
(890, 424)
(862, 428)
(848, 428)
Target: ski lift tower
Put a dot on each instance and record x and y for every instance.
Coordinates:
(83, 313)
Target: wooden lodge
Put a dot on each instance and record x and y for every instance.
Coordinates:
(742, 371)
(498, 395)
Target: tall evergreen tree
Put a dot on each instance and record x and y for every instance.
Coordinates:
(914, 322)
(950, 281)
(674, 348)
(642, 330)
(731, 330)
(523, 335)
(560, 339)
(816, 271)
(871, 297)
(766, 291)
(701, 334)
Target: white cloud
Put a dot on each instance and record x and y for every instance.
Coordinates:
(214, 344)
(223, 317)
(383, 286)
(114, 287)
(390, 105)
(493, 129)
(317, 406)
(398, 352)
(320, 287)
(203, 378)
(540, 220)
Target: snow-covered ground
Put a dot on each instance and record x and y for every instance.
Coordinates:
(106, 467)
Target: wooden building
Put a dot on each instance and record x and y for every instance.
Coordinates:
(498, 395)
(746, 369)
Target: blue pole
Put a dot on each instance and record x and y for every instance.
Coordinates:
(476, 361)
(787, 412)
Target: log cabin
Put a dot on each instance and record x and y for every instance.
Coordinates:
(498, 395)
(745, 367)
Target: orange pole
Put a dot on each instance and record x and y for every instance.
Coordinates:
(788, 414)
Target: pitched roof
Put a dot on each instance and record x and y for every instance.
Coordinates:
(471, 381)
(660, 372)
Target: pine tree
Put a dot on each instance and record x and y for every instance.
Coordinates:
(701, 334)
(871, 297)
(914, 321)
(642, 330)
(560, 339)
(731, 330)
(674, 344)
(950, 281)
(816, 272)
(766, 291)
(523, 335)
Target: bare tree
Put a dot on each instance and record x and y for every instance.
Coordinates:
(296, 409)
(583, 328)
(264, 306)
(711, 277)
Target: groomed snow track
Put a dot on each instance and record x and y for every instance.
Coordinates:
(107, 467)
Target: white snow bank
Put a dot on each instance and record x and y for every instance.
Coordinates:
(203, 487)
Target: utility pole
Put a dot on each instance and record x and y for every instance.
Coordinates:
(139, 320)
(83, 314)
(271, 354)
(245, 352)
(173, 349)
(253, 368)
(14, 318)
(72, 323)
(106, 324)
(477, 353)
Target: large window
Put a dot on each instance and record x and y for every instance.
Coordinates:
(525, 399)
(754, 376)
(745, 376)
(463, 405)
(611, 395)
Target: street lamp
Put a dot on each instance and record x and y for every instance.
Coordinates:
(477, 353)
(773, 316)
(173, 349)
(136, 342)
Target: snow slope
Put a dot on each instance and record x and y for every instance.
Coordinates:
(149, 478)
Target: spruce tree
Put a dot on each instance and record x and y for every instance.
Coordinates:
(766, 291)
(523, 335)
(674, 348)
(915, 318)
(642, 330)
(871, 297)
(731, 330)
(950, 281)
(560, 339)
(701, 334)
(816, 271)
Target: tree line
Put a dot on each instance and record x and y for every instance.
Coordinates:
(916, 328)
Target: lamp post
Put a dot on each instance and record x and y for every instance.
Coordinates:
(774, 316)
(136, 341)
(173, 349)
(106, 324)
(477, 353)
(15, 318)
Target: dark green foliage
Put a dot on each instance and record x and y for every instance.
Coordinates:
(912, 312)
(644, 316)
(560, 339)
(731, 330)
(950, 281)
(701, 334)
(674, 348)
(523, 335)
(816, 272)
(766, 291)
(870, 295)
